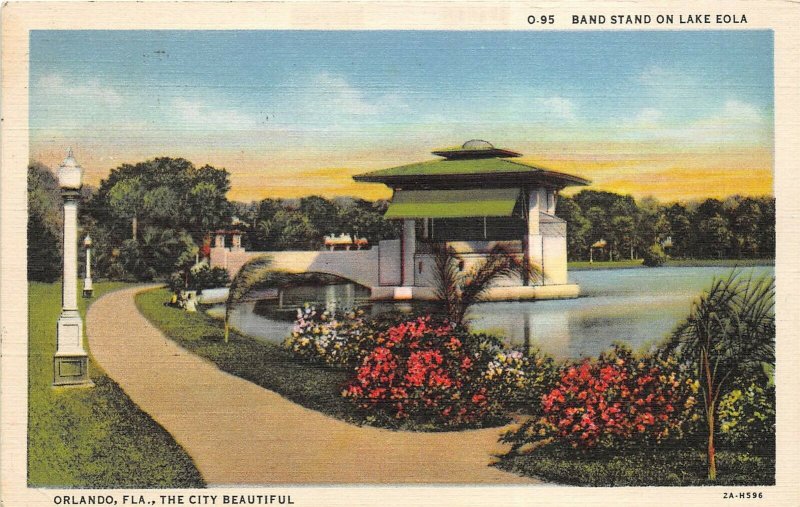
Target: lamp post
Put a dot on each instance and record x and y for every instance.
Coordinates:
(87, 282)
(70, 363)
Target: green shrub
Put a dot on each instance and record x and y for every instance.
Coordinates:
(198, 278)
(205, 277)
(654, 256)
(643, 466)
(747, 418)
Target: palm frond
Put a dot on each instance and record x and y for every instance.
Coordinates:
(458, 291)
(252, 273)
(733, 322)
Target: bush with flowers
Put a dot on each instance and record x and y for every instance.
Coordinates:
(613, 401)
(747, 418)
(431, 372)
(334, 338)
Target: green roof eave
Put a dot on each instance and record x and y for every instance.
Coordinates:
(475, 169)
(495, 202)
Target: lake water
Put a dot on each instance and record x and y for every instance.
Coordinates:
(636, 306)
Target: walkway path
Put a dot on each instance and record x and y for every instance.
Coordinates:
(238, 432)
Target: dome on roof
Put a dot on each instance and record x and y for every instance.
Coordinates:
(477, 144)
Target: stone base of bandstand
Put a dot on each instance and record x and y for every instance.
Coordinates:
(501, 293)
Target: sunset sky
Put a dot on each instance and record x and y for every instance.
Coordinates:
(675, 115)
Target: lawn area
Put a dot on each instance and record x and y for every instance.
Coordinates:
(675, 263)
(91, 437)
(641, 467)
(267, 365)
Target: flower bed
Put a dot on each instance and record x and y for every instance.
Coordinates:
(423, 372)
(427, 371)
(329, 337)
(613, 401)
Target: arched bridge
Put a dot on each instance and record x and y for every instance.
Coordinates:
(360, 266)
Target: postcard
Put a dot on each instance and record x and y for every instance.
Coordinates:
(399, 253)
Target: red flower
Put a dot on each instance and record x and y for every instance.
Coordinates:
(420, 365)
(612, 398)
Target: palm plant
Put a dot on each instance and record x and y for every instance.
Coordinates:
(459, 290)
(254, 272)
(729, 333)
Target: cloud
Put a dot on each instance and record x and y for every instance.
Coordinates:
(198, 113)
(556, 107)
(57, 88)
(342, 95)
(740, 112)
(334, 96)
(735, 121)
(648, 117)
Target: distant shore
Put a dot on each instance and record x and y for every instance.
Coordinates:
(674, 263)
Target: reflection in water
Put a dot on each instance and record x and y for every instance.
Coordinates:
(636, 306)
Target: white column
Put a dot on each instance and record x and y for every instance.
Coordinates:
(87, 281)
(537, 200)
(551, 202)
(69, 289)
(70, 364)
(408, 248)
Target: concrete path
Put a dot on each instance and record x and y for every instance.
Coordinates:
(240, 433)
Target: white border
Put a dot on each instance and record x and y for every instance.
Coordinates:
(18, 18)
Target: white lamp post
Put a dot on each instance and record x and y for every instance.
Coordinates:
(87, 282)
(71, 363)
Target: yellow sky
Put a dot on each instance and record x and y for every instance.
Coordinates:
(628, 169)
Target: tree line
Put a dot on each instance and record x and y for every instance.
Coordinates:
(302, 224)
(151, 219)
(733, 228)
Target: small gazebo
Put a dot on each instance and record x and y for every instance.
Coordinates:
(472, 198)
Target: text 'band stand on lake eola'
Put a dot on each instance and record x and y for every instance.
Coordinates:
(473, 199)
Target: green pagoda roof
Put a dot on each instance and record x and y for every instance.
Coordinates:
(487, 165)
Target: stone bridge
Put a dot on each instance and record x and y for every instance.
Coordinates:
(359, 266)
(381, 270)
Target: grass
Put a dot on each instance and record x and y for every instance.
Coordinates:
(675, 263)
(640, 467)
(91, 437)
(267, 365)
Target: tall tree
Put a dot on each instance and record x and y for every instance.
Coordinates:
(174, 202)
(624, 234)
(126, 200)
(680, 226)
(766, 228)
(322, 214)
(44, 224)
(746, 222)
(715, 236)
(599, 228)
(578, 227)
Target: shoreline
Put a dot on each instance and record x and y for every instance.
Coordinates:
(672, 263)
